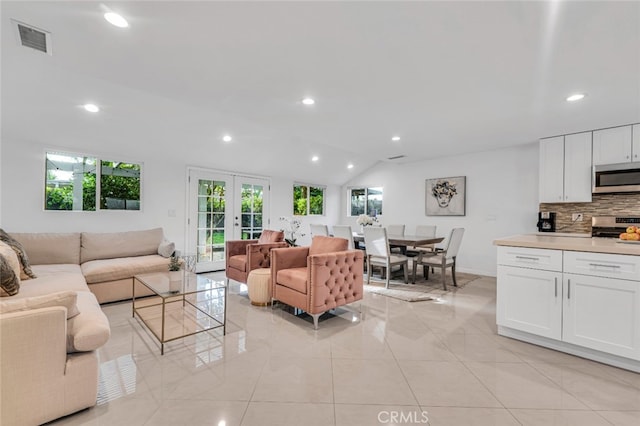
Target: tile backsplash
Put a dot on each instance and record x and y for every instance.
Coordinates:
(602, 205)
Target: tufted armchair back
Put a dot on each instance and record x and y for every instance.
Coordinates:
(243, 256)
(317, 278)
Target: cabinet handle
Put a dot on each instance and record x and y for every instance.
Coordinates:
(528, 258)
(568, 289)
(556, 282)
(605, 266)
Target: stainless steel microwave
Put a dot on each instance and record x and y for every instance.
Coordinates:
(613, 178)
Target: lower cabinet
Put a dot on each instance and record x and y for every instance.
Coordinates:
(602, 314)
(530, 300)
(592, 309)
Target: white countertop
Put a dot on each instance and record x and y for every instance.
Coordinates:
(596, 245)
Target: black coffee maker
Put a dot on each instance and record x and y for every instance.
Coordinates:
(546, 222)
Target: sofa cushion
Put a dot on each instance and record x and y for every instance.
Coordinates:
(119, 244)
(90, 329)
(97, 271)
(67, 299)
(52, 279)
(9, 281)
(50, 248)
(294, 278)
(269, 236)
(238, 262)
(26, 271)
(321, 245)
(166, 248)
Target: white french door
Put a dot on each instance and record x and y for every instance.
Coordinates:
(223, 207)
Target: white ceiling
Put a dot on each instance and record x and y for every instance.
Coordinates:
(448, 77)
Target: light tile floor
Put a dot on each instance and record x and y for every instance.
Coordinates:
(394, 363)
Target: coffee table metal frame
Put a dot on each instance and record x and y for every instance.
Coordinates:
(158, 283)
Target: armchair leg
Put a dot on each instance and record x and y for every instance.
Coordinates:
(315, 320)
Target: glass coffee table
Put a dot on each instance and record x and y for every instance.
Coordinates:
(199, 304)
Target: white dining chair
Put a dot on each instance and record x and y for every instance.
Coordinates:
(427, 231)
(319, 229)
(444, 258)
(344, 231)
(379, 254)
(395, 230)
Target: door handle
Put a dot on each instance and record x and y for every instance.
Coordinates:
(605, 266)
(556, 283)
(236, 224)
(568, 289)
(528, 258)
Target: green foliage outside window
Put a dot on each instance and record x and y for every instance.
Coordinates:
(308, 200)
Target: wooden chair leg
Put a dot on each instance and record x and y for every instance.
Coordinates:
(388, 269)
(368, 270)
(444, 274)
(405, 268)
(453, 272)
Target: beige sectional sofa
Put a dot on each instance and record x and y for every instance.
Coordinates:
(48, 363)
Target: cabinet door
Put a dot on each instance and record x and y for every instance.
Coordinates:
(552, 170)
(635, 148)
(530, 300)
(602, 314)
(612, 146)
(577, 168)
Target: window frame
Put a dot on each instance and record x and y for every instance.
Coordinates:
(308, 209)
(99, 159)
(366, 190)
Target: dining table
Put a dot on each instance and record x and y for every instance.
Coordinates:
(404, 240)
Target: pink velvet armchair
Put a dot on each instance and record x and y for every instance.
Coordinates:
(243, 256)
(317, 278)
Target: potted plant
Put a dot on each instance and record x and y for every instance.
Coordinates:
(175, 274)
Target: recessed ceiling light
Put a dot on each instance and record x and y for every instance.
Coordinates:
(349, 166)
(395, 138)
(115, 19)
(575, 97)
(91, 107)
(315, 158)
(308, 101)
(227, 138)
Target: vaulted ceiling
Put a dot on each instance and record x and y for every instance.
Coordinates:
(447, 77)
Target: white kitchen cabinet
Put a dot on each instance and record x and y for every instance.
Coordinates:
(615, 145)
(552, 170)
(602, 314)
(530, 300)
(635, 142)
(565, 168)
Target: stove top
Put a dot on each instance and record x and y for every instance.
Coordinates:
(612, 226)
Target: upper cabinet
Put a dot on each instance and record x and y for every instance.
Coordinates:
(565, 169)
(616, 145)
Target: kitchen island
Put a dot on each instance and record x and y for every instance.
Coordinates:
(576, 295)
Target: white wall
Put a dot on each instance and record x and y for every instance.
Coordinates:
(502, 199)
(164, 189)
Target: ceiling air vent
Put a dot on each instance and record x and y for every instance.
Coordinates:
(35, 38)
(397, 157)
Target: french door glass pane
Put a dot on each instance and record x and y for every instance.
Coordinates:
(251, 207)
(211, 225)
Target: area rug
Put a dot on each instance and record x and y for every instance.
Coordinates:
(422, 290)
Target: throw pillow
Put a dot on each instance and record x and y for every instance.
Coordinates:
(11, 257)
(166, 248)
(9, 282)
(68, 299)
(22, 255)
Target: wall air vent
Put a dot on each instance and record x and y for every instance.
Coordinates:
(30, 36)
(397, 157)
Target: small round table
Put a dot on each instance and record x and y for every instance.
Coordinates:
(259, 284)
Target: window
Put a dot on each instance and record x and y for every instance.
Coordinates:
(119, 186)
(365, 201)
(72, 183)
(308, 200)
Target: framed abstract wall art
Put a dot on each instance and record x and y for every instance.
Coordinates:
(446, 196)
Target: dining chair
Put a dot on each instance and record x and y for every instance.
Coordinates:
(318, 229)
(379, 254)
(344, 231)
(397, 230)
(442, 258)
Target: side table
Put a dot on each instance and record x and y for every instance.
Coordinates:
(259, 284)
